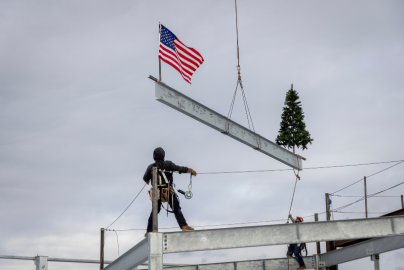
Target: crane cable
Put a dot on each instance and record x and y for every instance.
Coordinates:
(240, 83)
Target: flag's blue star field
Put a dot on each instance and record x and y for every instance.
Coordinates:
(167, 38)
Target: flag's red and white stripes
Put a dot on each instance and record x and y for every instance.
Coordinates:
(185, 59)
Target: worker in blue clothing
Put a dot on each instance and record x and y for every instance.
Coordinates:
(295, 248)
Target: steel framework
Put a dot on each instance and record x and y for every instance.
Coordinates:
(390, 228)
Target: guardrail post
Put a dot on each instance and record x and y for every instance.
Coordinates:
(102, 250)
(156, 251)
(41, 262)
(376, 258)
(317, 243)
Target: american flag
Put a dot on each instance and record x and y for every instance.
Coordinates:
(172, 51)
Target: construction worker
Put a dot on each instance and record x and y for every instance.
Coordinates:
(295, 248)
(169, 167)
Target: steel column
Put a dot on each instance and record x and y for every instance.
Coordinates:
(329, 245)
(376, 258)
(102, 249)
(317, 243)
(155, 211)
(155, 251)
(366, 197)
(209, 117)
(41, 262)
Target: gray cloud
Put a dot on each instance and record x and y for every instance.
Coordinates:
(78, 119)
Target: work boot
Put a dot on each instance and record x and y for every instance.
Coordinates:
(147, 233)
(302, 267)
(187, 228)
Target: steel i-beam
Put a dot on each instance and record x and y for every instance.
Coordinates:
(209, 117)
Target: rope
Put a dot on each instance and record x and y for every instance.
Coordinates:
(293, 196)
(127, 207)
(297, 177)
(117, 241)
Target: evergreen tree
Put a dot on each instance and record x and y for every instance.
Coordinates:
(293, 129)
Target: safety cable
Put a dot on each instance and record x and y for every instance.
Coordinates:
(336, 210)
(369, 196)
(362, 196)
(340, 212)
(401, 161)
(117, 241)
(332, 194)
(310, 168)
(215, 225)
(127, 207)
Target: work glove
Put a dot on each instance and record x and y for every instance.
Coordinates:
(193, 172)
(148, 182)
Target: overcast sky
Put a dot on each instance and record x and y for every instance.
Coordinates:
(79, 121)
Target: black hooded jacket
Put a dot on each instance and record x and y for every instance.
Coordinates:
(158, 156)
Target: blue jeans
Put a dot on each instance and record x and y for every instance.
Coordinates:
(294, 249)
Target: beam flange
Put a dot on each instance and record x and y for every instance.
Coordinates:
(363, 249)
(132, 258)
(209, 117)
(282, 234)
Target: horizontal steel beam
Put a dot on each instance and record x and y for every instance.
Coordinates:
(209, 117)
(17, 257)
(282, 234)
(270, 264)
(132, 258)
(363, 249)
(51, 259)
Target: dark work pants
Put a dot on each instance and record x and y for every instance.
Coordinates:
(294, 249)
(177, 212)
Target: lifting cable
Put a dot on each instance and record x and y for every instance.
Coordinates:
(240, 83)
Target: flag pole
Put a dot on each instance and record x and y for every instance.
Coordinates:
(159, 53)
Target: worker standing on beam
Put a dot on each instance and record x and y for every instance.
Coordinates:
(168, 168)
(295, 248)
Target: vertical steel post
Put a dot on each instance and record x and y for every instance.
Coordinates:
(41, 262)
(102, 250)
(330, 245)
(366, 198)
(155, 259)
(317, 266)
(159, 53)
(402, 202)
(376, 259)
(318, 243)
(327, 206)
(155, 201)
